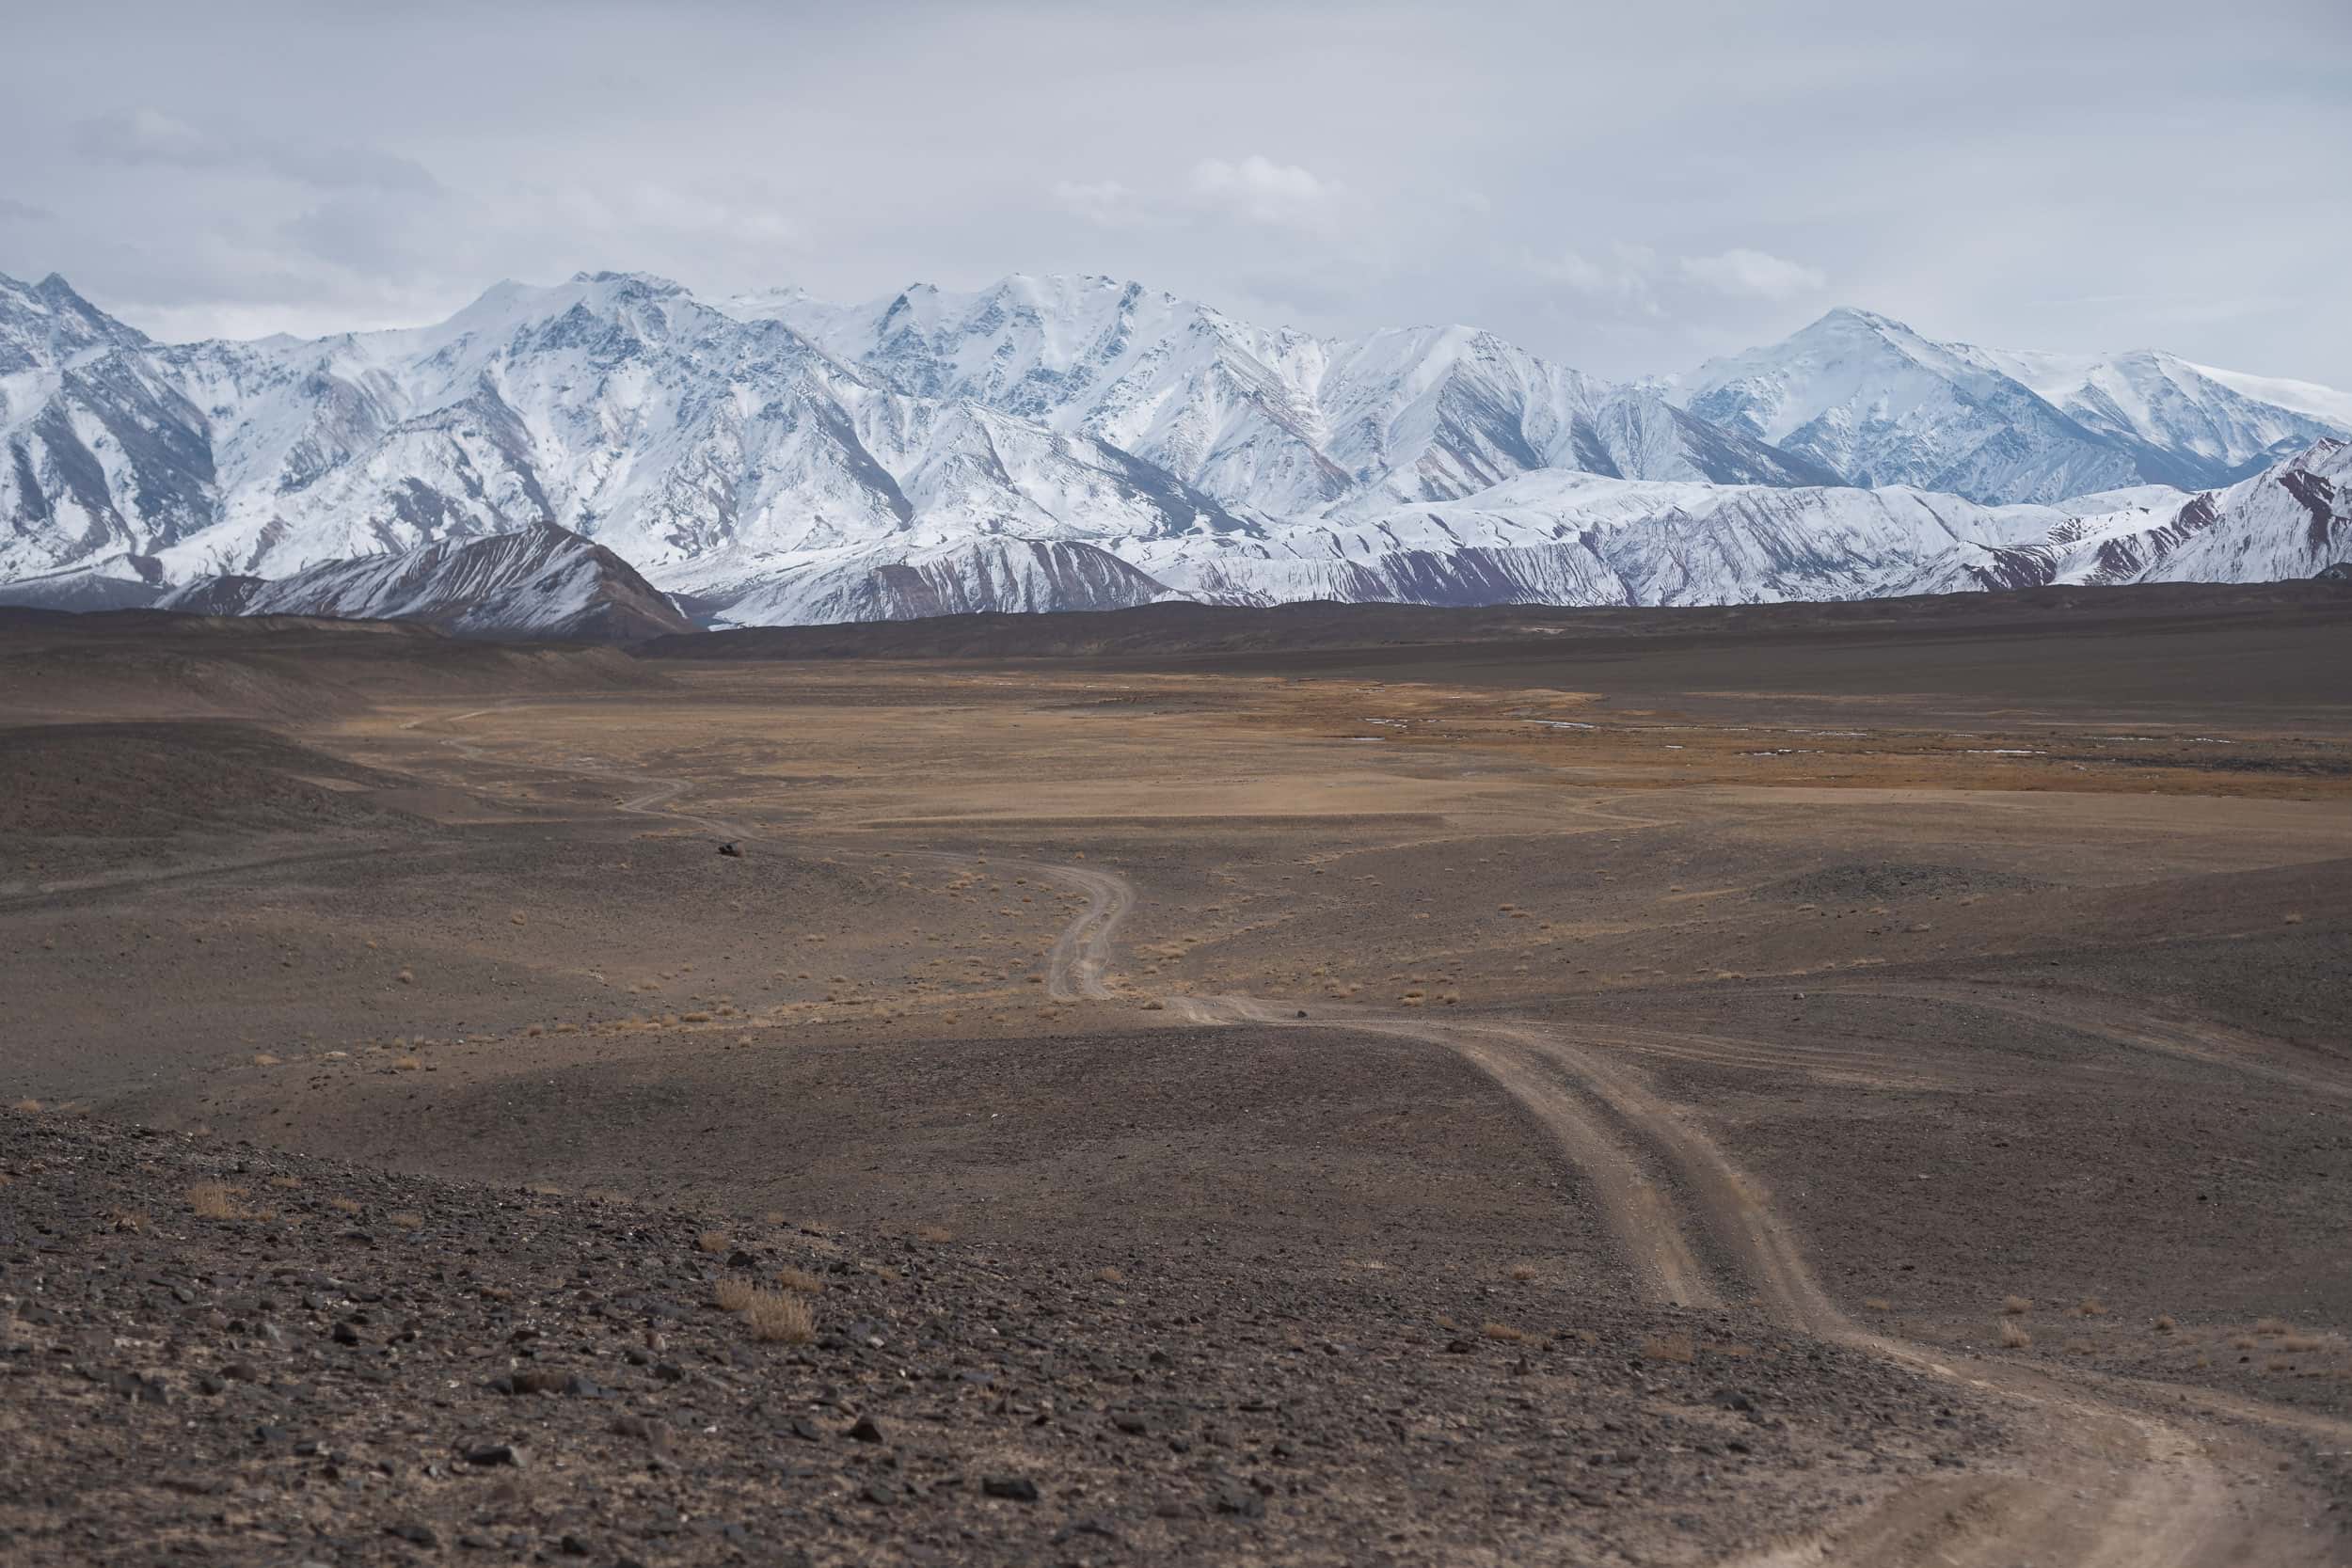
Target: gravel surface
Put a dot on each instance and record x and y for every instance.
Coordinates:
(364, 1368)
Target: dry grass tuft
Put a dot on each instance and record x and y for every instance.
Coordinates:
(1523, 1271)
(2016, 1306)
(25, 1105)
(263, 1058)
(1109, 1275)
(2092, 1306)
(779, 1317)
(344, 1205)
(1878, 1304)
(734, 1293)
(1504, 1333)
(801, 1280)
(407, 1064)
(2165, 1324)
(2013, 1335)
(1676, 1346)
(406, 1221)
(711, 1240)
(934, 1234)
(128, 1219)
(215, 1200)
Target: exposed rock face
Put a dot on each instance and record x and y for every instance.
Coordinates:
(546, 582)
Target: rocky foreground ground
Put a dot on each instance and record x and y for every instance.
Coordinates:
(221, 1354)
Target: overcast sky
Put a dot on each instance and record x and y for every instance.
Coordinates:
(1626, 187)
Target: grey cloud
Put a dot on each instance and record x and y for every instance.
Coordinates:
(150, 136)
(2101, 175)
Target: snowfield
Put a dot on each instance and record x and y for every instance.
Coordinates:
(1084, 443)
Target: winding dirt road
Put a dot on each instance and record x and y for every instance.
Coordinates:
(2105, 1483)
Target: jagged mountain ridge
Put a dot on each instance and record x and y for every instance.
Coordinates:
(619, 404)
(1881, 404)
(1276, 423)
(542, 582)
(1070, 443)
(2292, 521)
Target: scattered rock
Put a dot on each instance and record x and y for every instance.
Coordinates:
(495, 1453)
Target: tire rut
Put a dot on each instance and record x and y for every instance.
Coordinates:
(2109, 1485)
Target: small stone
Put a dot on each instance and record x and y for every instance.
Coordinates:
(867, 1429)
(416, 1535)
(495, 1454)
(1020, 1489)
(1239, 1501)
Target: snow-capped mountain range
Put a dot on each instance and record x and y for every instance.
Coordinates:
(1080, 442)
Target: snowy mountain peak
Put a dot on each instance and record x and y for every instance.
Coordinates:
(646, 281)
(1881, 404)
(1272, 420)
(46, 324)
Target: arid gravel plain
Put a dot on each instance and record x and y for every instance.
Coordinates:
(1768, 1087)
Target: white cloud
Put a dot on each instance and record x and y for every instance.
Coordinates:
(1104, 202)
(1753, 275)
(1627, 277)
(1261, 190)
(1570, 270)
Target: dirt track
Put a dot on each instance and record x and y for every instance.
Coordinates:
(2111, 1486)
(1697, 1052)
